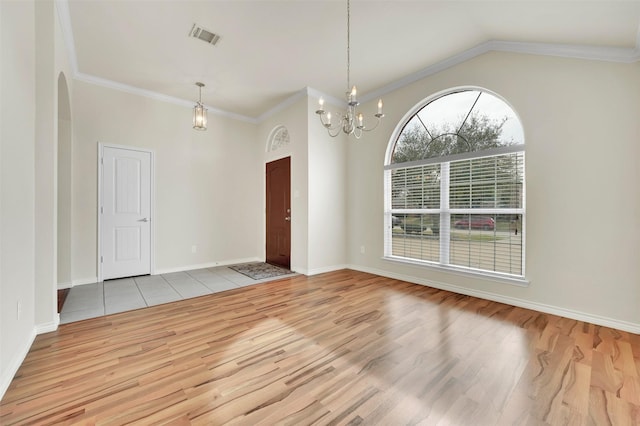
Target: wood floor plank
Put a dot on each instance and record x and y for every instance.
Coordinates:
(341, 348)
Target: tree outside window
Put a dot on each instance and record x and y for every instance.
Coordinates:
(455, 185)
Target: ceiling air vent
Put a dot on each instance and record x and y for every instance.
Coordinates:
(204, 35)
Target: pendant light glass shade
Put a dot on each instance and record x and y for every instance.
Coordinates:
(199, 117)
(199, 112)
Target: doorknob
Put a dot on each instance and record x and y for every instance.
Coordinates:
(288, 218)
(144, 219)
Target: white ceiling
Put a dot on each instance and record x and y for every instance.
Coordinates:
(270, 50)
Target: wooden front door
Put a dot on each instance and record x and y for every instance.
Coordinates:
(279, 212)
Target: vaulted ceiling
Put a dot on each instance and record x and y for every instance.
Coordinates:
(270, 50)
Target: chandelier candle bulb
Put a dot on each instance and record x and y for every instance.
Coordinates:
(353, 94)
(360, 120)
(328, 119)
(321, 103)
(379, 106)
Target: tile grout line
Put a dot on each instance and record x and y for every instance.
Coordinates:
(141, 293)
(206, 286)
(225, 274)
(171, 286)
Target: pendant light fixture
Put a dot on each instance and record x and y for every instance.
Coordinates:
(351, 122)
(199, 111)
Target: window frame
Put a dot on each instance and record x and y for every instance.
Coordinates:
(445, 210)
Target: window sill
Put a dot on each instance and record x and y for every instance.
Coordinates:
(468, 273)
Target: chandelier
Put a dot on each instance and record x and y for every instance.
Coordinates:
(199, 111)
(351, 122)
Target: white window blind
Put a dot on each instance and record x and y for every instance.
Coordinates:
(454, 185)
(479, 225)
(486, 208)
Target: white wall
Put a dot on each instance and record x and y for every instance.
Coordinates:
(64, 185)
(327, 171)
(582, 168)
(318, 190)
(294, 119)
(45, 168)
(64, 86)
(207, 191)
(17, 184)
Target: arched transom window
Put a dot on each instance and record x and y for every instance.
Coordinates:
(278, 138)
(454, 185)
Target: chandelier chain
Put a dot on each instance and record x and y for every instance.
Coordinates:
(348, 46)
(350, 122)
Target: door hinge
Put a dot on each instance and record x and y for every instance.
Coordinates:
(101, 209)
(101, 160)
(101, 259)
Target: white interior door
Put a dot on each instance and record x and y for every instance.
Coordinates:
(125, 213)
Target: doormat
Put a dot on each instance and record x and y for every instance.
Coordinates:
(260, 271)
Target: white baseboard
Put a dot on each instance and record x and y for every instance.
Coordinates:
(207, 265)
(324, 269)
(83, 281)
(535, 306)
(299, 270)
(15, 363)
(93, 280)
(49, 326)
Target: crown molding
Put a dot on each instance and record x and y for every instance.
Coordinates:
(98, 81)
(305, 92)
(311, 92)
(110, 84)
(282, 105)
(597, 53)
(67, 34)
(594, 53)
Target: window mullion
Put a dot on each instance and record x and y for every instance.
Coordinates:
(445, 216)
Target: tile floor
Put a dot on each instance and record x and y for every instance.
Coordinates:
(109, 297)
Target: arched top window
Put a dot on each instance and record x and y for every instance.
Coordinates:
(278, 138)
(455, 188)
(458, 122)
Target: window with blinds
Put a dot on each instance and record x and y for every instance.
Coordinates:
(454, 191)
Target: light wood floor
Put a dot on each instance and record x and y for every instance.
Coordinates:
(338, 348)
